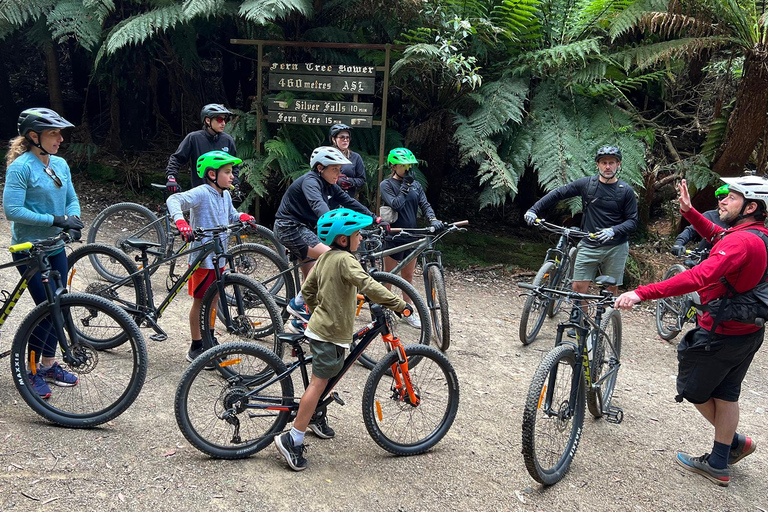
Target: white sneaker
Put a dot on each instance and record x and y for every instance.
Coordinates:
(412, 321)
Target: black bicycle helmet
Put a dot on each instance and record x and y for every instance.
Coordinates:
(40, 119)
(335, 129)
(608, 151)
(212, 110)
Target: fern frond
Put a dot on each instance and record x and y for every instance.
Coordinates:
(518, 18)
(141, 27)
(559, 56)
(20, 12)
(100, 8)
(70, 19)
(716, 133)
(264, 11)
(630, 17)
(648, 55)
(423, 53)
(499, 103)
(675, 25)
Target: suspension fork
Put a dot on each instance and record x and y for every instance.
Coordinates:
(402, 377)
(55, 289)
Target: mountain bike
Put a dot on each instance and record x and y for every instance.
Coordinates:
(672, 313)
(109, 380)
(247, 312)
(431, 268)
(407, 410)
(572, 371)
(556, 272)
(120, 222)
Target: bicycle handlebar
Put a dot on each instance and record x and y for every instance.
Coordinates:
(41, 243)
(562, 230)
(430, 230)
(607, 298)
(201, 232)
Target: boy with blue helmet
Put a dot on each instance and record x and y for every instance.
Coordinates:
(331, 291)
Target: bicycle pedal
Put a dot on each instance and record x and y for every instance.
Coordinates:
(337, 398)
(614, 414)
(160, 336)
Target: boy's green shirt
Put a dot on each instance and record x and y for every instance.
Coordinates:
(331, 290)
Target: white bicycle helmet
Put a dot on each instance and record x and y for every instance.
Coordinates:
(753, 188)
(326, 155)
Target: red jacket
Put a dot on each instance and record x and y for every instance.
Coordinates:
(739, 256)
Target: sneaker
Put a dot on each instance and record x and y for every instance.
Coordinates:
(296, 327)
(300, 312)
(413, 321)
(41, 387)
(193, 354)
(293, 454)
(59, 376)
(321, 428)
(746, 446)
(700, 465)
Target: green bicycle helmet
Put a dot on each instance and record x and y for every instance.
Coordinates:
(401, 156)
(722, 191)
(340, 222)
(215, 160)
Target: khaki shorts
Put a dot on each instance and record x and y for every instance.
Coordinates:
(610, 258)
(327, 358)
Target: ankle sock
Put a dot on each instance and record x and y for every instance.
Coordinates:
(299, 299)
(297, 436)
(718, 459)
(735, 442)
(196, 344)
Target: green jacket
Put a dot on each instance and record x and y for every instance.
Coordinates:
(331, 294)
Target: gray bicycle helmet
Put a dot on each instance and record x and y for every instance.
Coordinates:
(326, 155)
(608, 151)
(335, 129)
(40, 119)
(214, 110)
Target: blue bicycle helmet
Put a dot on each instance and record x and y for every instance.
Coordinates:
(341, 222)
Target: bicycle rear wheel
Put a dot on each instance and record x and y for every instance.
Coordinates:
(252, 311)
(236, 417)
(563, 281)
(606, 358)
(670, 310)
(536, 307)
(261, 235)
(437, 301)
(109, 380)
(116, 223)
(393, 421)
(553, 416)
(408, 333)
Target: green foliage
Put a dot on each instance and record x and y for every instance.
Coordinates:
(78, 20)
(264, 11)
(17, 13)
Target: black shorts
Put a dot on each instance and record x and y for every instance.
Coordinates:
(296, 237)
(390, 243)
(717, 372)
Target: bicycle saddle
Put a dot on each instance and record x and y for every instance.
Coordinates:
(138, 243)
(289, 337)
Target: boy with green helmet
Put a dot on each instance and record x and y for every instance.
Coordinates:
(330, 292)
(689, 234)
(209, 205)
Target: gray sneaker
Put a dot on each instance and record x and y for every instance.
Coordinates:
(321, 428)
(293, 454)
(746, 446)
(700, 465)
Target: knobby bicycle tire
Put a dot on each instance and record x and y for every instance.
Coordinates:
(109, 380)
(84, 277)
(437, 301)
(607, 354)
(116, 223)
(669, 310)
(535, 308)
(255, 316)
(549, 445)
(202, 399)
(264, 236)
(563, 280)
(392, 421)
(408, 335)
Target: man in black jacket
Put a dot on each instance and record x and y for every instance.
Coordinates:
(211, 138)
(610, 212)
(689, 234)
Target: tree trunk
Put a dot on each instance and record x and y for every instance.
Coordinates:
(748, 119)
(113, 138)
(54, 81)
(7, 103)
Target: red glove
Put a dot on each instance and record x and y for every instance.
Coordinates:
(244, 217)
(185, 230)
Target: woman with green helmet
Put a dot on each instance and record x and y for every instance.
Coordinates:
(404, 197)
(689, 234)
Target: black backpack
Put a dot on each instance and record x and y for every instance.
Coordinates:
(750, 307)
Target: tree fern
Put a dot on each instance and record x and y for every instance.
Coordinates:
(264, 11)
(72, 19)
(558, 56)
(645, 56)
(499, 103)
(628, 18)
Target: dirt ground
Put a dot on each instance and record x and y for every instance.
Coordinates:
(141, 460)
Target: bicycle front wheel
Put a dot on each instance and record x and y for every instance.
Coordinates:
(669, 310)
(265, 266)
(437, 301)
(251, 314)
(536, 307)
(393, 420)
(553, 416)
(236, 417)
(418, 330)
(261, 235)
(606, 360)
(119, 222)
(108, 380)
(563, 281)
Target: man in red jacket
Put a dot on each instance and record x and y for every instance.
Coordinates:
(712, 366)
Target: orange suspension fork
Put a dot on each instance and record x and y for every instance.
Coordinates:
(403, 377)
